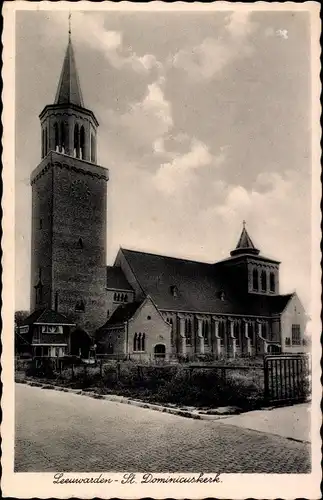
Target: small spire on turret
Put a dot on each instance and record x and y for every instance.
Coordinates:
(69, 27)
(245, 244)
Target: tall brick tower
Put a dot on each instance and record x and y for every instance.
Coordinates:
(69, 201)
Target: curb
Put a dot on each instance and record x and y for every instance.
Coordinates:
(121, 399)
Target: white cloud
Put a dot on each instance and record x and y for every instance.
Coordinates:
(178, 173)
(149, 120)
(209, 58)
(110, 43)
(272, 222)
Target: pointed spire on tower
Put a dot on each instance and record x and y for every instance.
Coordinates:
(69, 89)
(245, 244)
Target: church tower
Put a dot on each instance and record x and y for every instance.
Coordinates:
(69, 203)
(248, 270)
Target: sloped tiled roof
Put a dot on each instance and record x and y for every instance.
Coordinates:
(198, 284)
(264, 305)
(198, 287)
(123, 313)
(32, 318)
(69, 90)
(116, 279)
(47, 316)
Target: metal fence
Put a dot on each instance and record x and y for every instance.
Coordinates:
(287, 378)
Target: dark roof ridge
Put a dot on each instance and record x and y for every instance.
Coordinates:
(166, 256)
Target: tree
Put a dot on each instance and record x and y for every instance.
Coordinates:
(20, 316)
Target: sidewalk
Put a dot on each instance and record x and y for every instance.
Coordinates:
(293, 422)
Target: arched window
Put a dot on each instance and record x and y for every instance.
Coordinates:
(143, 339)
(251, 333)
(255, 279)
(205, 331)
(46, 141)
(221, 332)
(139, 342)
(118, 297)
(80, 243)
(272, 282)
(188, 331)
(56, 140)
(135, 342)
(237, 333)
(93, 155)
(263, 281)
(125, 297)
(62, 142)
(42, 143)
(76, 141)
(114, 297)
(82, 142)
(80, 306)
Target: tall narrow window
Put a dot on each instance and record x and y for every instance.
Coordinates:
(255, 279)
(56, 139)
(46, 141)
(296, 335)
(62, 141)
(139, 342)
(188, 331)
(143, 340)
(237, 333)
(251, 333)
(76, 141)
(221, 332)
(82, 142)
(263, 281)
(80, 243)
(43, 143)
(272, 282)
(205, 331)
(93, 152)
(135, 342)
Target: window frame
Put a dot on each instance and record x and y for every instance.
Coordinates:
(296, 335)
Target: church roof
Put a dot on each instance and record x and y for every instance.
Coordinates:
(179, 284)
(69, 90)
(46, 316)
(123, 313)
(116, 280)
(199, 287)
(245, 244)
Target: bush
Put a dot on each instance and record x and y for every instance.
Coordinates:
(41, 368)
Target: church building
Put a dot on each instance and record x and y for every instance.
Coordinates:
(145, 306)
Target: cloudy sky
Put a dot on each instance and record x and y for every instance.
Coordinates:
(204, 121)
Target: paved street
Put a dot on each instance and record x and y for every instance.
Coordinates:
(57, 431)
